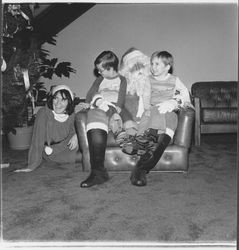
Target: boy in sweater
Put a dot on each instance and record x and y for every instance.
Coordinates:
(159, 122)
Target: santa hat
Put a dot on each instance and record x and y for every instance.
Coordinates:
(61, 87)
(132, 58)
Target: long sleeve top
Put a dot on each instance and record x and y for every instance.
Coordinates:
(169, 88)
(48, 131)
(96, 87)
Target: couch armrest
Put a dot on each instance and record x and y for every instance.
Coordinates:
(197, 121)
(183, 133)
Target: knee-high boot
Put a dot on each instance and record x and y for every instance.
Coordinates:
(97, 140)
(145, 164)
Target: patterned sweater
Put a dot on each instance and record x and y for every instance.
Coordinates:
(169, 88)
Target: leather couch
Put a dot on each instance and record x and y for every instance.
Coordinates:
(215, 107)
(175, 157)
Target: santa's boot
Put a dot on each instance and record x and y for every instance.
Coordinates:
(149, 161)
(97, 140)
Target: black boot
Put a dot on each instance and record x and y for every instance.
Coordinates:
(149, 161)
(97, 139)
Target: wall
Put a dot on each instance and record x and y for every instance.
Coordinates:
(202, 38)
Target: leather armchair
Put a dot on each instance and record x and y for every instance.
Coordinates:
(215, 107)
(175, 157)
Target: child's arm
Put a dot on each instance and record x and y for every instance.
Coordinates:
(181, 93)
(91, 93)
(122, 93)
(94, 89)
(180, 99)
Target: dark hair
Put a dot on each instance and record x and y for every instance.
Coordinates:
(66, 96)
(166, 57)
(108, 60)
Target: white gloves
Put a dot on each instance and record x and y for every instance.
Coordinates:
(167, 106)
(104, 105)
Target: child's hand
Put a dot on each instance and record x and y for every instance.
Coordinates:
(83, 106)
(73, 142)
(167, 106)
(105, 105)
(23, 170)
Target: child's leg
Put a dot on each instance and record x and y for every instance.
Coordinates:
(143, 124)
(97, 139)
(157, 120)
(171, 119)
(64, 157)
(97, 131)
(97, 119)
(152, 119)
(146, 163)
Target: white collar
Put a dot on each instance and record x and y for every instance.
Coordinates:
(60, 117)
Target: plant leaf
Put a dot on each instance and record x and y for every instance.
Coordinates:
(64, 68)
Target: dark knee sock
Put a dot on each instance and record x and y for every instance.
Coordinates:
(97, 140)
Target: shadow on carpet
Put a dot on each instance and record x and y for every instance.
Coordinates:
(49, 205)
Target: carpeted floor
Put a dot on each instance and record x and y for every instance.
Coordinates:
(48, 204)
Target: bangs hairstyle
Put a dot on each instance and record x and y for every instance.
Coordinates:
(108, 60)
(166, 57)
(65, 96)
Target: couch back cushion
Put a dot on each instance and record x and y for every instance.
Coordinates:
(219, 115)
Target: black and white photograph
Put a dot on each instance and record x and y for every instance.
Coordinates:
(119, 124)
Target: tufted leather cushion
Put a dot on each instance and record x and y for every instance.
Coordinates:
(175, 157)
(216, 94)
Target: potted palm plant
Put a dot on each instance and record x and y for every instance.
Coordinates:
(26, 63)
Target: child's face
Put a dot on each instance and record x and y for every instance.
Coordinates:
(59, 103)
(158, 68)
(106, 73)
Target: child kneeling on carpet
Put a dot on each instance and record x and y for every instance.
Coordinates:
(54, 137)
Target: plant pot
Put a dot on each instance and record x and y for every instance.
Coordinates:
(22, 139)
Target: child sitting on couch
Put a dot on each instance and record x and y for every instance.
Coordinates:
(105, 101)
(159, 122)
